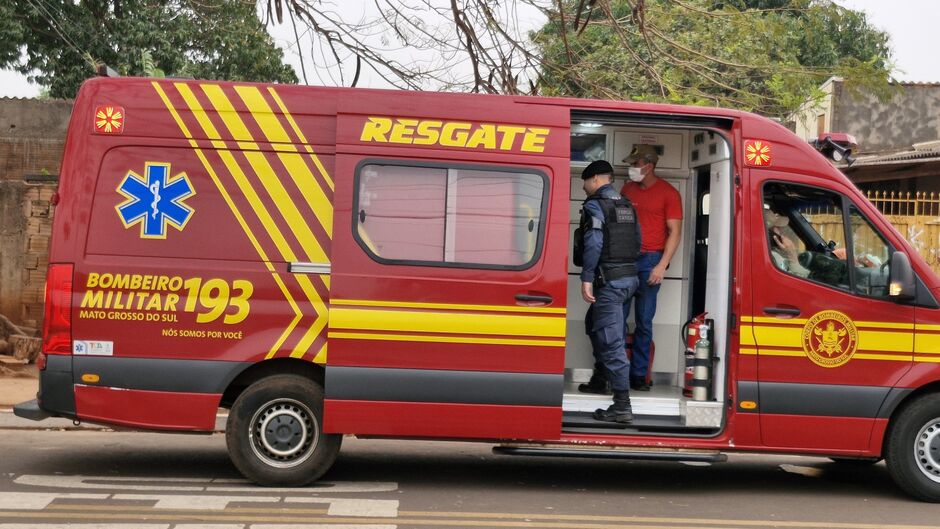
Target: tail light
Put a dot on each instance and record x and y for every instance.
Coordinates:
(57, 324)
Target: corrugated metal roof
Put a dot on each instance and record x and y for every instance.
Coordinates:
(36, 99)
(898, 157)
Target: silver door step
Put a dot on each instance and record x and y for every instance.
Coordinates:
(635, 453)
(644, 403)
(662, 401)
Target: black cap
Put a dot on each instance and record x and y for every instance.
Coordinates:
(595, 168)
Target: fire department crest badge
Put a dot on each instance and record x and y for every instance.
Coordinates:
(830, 338)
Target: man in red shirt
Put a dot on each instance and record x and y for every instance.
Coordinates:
(659, 210)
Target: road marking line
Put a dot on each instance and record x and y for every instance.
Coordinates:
(647, 519)
(185, 502)
(483, 516)
(206, 526)
(199, 484)
(320, 526)
(144, 508)
(39, 500)
(93, 526)
(524, 521)
(351, 507)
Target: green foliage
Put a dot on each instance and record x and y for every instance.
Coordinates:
(59, 42)
(767, 56)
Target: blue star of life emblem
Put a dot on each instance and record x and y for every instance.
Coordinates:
(155, 200)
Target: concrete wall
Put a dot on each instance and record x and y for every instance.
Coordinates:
(804, 122)
(32, 137)
(911, 116)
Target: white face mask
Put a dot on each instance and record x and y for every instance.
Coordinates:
(635, 174)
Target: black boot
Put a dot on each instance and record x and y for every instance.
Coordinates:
(620, 411)
(598, 385)
(639, 384)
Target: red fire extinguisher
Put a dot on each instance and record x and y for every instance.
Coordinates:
(691, 333)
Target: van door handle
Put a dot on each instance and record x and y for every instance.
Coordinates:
(533, 299)
(782, 311)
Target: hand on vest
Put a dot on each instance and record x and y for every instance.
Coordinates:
(587, 292)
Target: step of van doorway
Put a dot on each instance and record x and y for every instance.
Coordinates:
(661, 400)
(583, 422)
(662, 410)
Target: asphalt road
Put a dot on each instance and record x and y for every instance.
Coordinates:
(111, 480)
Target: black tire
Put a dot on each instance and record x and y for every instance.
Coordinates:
(849, 462)
(913, 448)
(274, 432)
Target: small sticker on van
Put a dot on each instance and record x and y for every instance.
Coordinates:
(93, 348)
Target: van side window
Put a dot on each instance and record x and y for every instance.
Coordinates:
(871, 254)
(807, 238)
(449, 216)
(806, 233)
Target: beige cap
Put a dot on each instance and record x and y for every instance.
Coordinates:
(772, 219)
(647, 152)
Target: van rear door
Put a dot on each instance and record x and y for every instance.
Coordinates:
(447, 314)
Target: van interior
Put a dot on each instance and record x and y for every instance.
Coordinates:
(696, 160)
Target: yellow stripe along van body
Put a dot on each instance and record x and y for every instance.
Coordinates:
(381, 320)
(884, 341)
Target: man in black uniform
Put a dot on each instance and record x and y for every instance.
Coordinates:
(607, 244)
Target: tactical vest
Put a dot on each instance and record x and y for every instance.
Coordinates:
(621, 245)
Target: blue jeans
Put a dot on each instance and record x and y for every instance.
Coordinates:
(604, 325)
(645, 304)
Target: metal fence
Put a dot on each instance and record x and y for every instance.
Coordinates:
(917, 217)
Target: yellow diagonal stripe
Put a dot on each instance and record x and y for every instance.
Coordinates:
(303, 139)
(269, 180)
(441, 322)
(293, 162)
(320, 357)
(209, 129)
(275, 189)
(198, 112)
(292, 216)
(323, 316)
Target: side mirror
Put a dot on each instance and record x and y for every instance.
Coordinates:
(901, 284)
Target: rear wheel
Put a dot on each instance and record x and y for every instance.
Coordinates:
(274, 432)
(913, 451)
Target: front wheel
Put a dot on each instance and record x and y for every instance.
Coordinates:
(274, 432)
(913, 451)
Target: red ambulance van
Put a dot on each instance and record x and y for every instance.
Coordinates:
(325, 262)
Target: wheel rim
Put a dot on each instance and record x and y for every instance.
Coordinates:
(283, 433)
(927, 450)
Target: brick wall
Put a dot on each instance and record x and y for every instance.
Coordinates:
(32, 137)
(37, 210)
